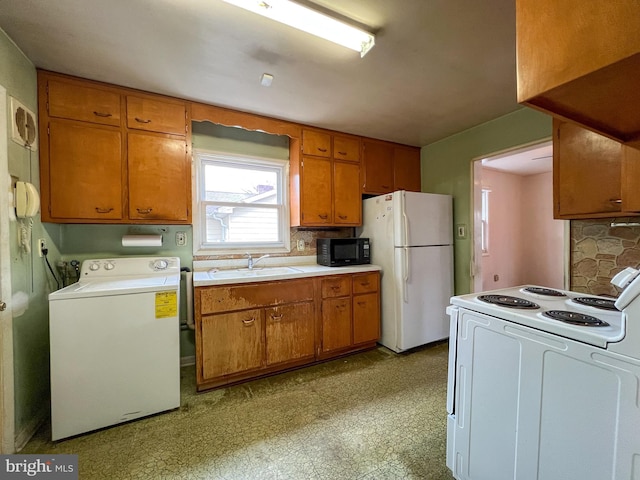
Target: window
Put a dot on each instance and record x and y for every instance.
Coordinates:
(485, 221)
(241, 205)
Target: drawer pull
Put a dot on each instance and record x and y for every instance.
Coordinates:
(144, 211)
(364, 284)
(249, 321)
(322, 149)
(102, 114)
(323, 216)
(342, 153)
(140, 120)
(103, 210)
(362, 304)
(342, 217)
(276, 318)
(385, 186)
(616, 200)
(335, 287)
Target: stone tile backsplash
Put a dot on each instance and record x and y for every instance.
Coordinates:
(599, 251)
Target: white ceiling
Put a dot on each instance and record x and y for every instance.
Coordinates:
(526, 161)
(438, 66)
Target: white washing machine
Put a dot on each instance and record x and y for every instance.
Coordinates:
(115, 344)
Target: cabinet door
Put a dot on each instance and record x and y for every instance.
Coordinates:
(336, 323)
(316, 191)
(406, 169)
(232, 343)
(587, 171)
(159, 178)
(76, 102)
(378, 167)
(346, 148)
(366, 318)
(85, 171)
(290, 332)
(156, 115)
(347, 203)
(316, 143)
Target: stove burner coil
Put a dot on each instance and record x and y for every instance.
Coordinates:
(597, 303)
(544, 291)
(575, 318)
(507, 301)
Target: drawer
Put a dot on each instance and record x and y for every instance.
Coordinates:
(346, 148)
(336, 286)
(364, 283)
(156, 115)
(67, 100)
(316, 143)
(261, 294)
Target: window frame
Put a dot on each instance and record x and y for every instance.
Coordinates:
(203, 157)
(484, 219)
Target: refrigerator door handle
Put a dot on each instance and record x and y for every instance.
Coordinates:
(405, 274)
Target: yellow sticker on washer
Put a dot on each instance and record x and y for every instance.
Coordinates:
(166, 304)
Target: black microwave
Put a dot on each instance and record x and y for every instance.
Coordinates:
(340, 252)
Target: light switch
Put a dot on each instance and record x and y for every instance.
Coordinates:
(461, 230)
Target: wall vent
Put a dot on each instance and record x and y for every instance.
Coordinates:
(24, 129)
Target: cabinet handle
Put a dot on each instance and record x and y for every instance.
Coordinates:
(276, 317)
(249, 321)
(335, 287)
(342, 217)
(102, 114)
(364, 284)
(342, 153)
(385, 186)
(323, 216)
(103, 210)
(362, 304)
(616, 200)
(139, 120)
(323, 150)
(341, 306)
(144, 211)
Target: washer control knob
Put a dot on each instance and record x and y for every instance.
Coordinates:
(109, 266)
(94, 266)
(160, 264)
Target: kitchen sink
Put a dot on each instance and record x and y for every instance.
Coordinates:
(256, 272)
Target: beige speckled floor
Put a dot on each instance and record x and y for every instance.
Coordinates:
(374, 415)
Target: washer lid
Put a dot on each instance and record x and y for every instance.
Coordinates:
(117, 286)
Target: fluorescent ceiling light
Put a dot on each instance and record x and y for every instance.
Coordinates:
(311, 21)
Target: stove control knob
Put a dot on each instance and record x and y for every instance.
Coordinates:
(94, 266)
(160, 264)
(109, 266)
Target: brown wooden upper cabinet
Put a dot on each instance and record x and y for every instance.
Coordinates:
(580, 61)
(593, 176)
(328, 192)
(96, 167)
(388, 167)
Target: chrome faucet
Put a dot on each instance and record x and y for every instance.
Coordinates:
(251, 262)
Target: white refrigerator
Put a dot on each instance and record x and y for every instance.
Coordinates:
(411, 237)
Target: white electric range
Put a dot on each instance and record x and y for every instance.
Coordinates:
(545, 384)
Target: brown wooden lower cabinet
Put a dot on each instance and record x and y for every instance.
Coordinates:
(244, 331)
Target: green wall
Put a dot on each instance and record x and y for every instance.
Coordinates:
(28, 274)
(446, 168)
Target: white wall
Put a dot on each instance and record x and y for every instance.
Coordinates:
(525, 242)
(505, 256)
(543, 247)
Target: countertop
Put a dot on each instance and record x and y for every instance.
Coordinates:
(202, 278)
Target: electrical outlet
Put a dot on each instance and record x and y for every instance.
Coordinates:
(300, 245)
(181, 239)
(41, 246)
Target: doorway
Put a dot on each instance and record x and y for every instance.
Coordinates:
(7, 444)
(516, 239)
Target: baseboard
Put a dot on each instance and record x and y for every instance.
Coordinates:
(186, 361)
(29, 430)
